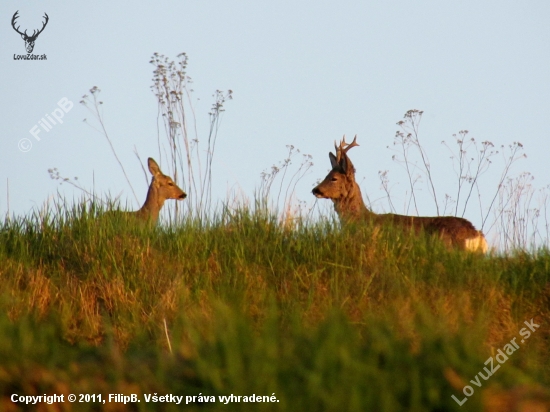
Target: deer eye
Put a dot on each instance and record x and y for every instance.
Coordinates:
(334, 179)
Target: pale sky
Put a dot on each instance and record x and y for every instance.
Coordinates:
(302, 73)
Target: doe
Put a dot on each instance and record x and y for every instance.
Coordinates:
(340, 186)
(162, 187)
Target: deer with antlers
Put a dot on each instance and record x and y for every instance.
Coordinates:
(340, 186)
(29, 40)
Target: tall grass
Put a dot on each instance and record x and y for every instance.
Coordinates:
(359, 318)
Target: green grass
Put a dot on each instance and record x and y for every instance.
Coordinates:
(327, 319)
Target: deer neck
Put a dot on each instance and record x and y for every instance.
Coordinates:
(153, 203)
(351, 207)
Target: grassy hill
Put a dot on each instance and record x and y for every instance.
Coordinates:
(309, 318)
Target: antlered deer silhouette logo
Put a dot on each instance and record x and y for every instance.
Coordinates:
(29, 40)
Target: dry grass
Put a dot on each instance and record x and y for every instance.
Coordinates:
(317, 308)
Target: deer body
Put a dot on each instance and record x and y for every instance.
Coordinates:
(340, 186)
(162, 187)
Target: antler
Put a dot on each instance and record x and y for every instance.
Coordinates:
(344, 147)
(15, 16)
(34, 33)
(43, 26)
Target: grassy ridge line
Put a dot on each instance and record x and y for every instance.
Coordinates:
(359, 319)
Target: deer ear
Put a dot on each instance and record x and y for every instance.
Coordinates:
(153, 167)
(333, 161)
(346, 165)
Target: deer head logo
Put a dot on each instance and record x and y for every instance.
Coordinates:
(29, 40)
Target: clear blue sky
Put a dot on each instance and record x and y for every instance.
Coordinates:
(303, 73)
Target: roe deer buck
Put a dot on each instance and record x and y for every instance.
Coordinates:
(162, 187)
(341, 188)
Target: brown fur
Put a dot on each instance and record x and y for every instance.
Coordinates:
(162, 187)
(340, 186)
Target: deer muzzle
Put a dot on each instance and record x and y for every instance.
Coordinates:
(317, 192)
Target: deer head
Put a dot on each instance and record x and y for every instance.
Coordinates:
(29, 40)
(340, 186)
(341, 179)
(163, 187)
